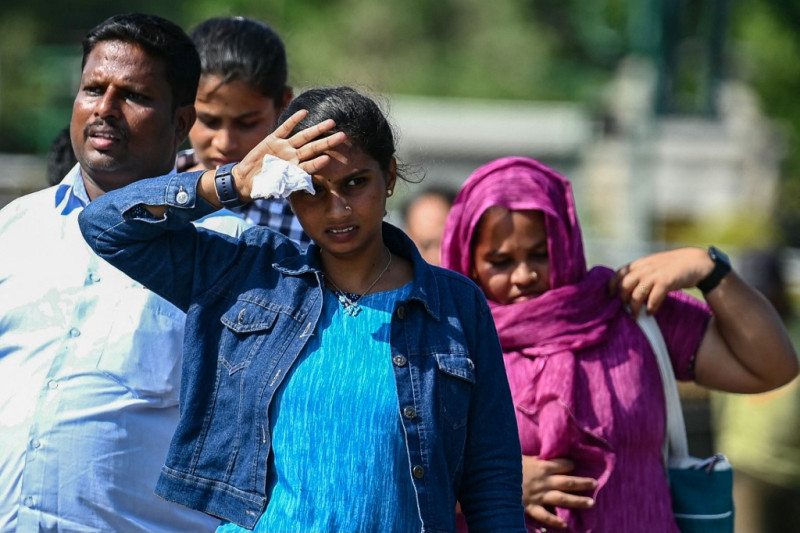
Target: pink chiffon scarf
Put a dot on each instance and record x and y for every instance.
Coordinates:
(554, 327)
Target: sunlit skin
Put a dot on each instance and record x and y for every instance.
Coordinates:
(351, 179)
(510, 256)
(123, 126)
(425, 223)
(232, 118)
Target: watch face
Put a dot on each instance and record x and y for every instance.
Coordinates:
(718, 255)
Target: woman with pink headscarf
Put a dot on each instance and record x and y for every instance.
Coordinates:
(586, 386)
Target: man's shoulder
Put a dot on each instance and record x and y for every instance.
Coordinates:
(32, 205)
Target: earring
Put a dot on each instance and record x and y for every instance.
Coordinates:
(347, 208)
(389, 192)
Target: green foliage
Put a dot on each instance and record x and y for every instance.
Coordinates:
(766, 45)
(508, 49)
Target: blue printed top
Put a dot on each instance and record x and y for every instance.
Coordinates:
(339, 460)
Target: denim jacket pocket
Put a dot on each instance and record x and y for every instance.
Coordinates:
(456, 386)
(246, 324)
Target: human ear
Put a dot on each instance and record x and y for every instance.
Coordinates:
(391, 177)
(184, 120)
(286, 99)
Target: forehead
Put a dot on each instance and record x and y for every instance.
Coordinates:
(428, 211)
(235, 95)
(120, 61)
(346, 159)
(499, 226)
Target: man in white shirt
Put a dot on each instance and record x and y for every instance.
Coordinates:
(89, 359)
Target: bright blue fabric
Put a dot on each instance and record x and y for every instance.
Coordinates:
(340, 462)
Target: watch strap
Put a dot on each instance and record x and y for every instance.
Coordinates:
(226, 191)
(722, 266)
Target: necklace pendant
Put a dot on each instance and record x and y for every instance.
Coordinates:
(353, 310)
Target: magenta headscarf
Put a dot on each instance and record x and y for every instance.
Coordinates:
(554, 327)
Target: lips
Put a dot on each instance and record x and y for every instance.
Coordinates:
(341, 230)
(103, 136)
(530, 295)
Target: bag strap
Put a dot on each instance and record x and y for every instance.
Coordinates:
(675, 441)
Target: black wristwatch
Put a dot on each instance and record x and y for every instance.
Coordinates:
(722, 265)
(226, 191)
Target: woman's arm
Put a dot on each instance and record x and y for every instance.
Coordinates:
(300, 149)
(144, 229)
(745, 349)
(491, 487)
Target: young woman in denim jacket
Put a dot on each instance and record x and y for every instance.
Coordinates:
(352, 387)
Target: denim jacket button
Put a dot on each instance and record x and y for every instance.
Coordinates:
(182, 197)
(410, 413)
(399, 360)
(401, 312)
(418, 472)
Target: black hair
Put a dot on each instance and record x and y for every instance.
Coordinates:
(239, 48)
(161, 39)
(355, 114)
(60, 158)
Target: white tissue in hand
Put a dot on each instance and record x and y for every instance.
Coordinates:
(278, 179)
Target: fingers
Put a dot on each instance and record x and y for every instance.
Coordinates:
(553, 466)
(285, 128)
(314, 149)
(638, 286)
(560, 491)
(541, 514)
(571, 483)
(304, 137)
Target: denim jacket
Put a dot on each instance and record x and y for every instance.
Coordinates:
(253, 302)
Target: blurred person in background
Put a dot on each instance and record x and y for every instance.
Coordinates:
(760, 433)
(60, 158)
(424, 217)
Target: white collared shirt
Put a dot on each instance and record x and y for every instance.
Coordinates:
(89, 378)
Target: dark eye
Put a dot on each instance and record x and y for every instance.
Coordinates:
(500, 262)
(94, 91)
(318, 189)
(248, 125)
(136, 97)
(209, 122)
(355, 182)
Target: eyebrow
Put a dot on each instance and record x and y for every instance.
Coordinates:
(237, 117)
(354, 174)
(497, 253)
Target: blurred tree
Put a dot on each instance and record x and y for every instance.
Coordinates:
(766, 46)
(511, 49)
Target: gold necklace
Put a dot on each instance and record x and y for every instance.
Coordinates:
(349, 300)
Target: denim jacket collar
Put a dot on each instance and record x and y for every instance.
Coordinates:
(425, 286)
